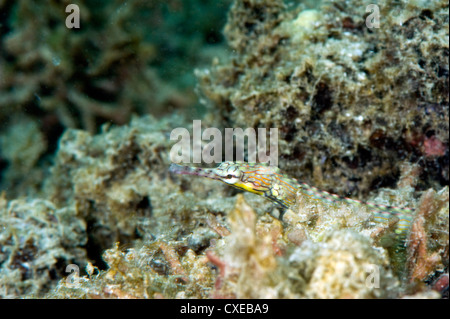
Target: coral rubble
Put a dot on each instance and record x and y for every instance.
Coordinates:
(362, 112)
(37, 242)
(126, 58)
(135, 232)
(351, 103)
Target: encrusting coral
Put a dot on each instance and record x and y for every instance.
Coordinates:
(179, 239)
(126, 58)
(103, 71)
(351, 102)
(178, 242)
(21, 145)
(257, 258)
(344, 98)
(37, 241)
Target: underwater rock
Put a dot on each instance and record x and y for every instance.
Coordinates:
(354, 106)
(22, 145)
(344, 265)
(351, 103)
(126, 58)
(37, 241)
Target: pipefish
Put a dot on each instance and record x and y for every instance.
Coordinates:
(268, 181)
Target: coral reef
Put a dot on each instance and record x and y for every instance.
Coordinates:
(126, 58)
(105, 70)
(172, 238)
(37, 241)
(110, 178)
(351, 103)
(361, 112)
(256, 258)
(153, 271)
(22, 145)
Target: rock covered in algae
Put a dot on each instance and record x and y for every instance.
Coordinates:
(37, 241)
(253, 256)
(351, 103)
(343, 97)
(101, 189)
(113, 179)
(126, 58)
(109, 67)
(258, 260)
(22, 145)
(344, 265)
(152, 271)
(185, 238)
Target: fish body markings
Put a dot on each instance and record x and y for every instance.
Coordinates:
(269, 182)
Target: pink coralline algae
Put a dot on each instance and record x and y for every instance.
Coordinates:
(432, 146)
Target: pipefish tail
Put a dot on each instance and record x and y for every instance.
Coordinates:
(279, 188)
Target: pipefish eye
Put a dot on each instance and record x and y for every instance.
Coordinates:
(230, 179)
(231, 175)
